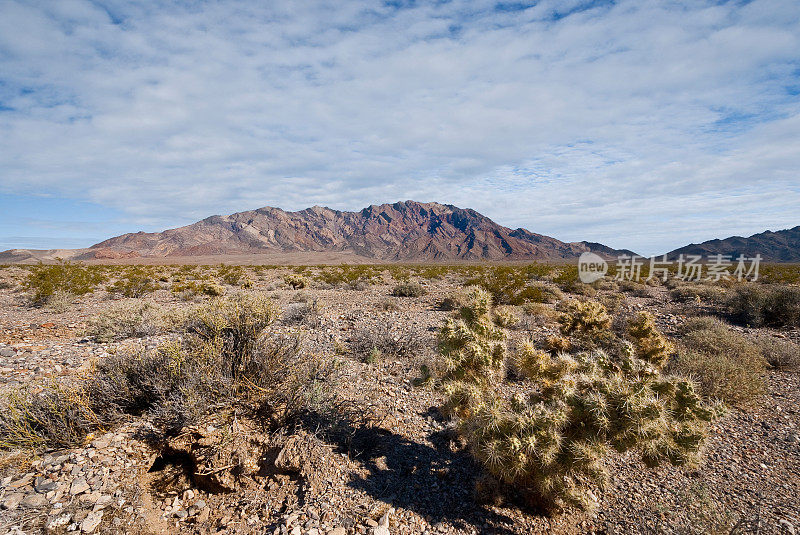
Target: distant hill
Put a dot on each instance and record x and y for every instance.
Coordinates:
(780, 246)
(403, 231)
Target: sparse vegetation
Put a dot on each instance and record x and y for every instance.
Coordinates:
(45, 280)
(549, 439)
(135, 319)
(761, 305)
(136, 282)
(409, 289)
(224, 359)
(725, 363)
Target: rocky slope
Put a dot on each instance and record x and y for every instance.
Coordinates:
(401, 231)
(780, 246)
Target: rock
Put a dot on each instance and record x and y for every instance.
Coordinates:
(44, 485)
(56, 522)
(383, 524)
(337, 531)
(91, 521)
(79, 485)
(12, 501)
(34, 501)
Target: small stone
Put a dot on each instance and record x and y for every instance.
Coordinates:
(12, 501)
(58, 521)
(91, 521)
(79, 486)
(34, 501)
(337, 531)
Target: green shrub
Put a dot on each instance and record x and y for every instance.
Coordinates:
(409, 289)
(724, 362)
(514, 285)
(762, 305)
(135, 283)
(44, 280)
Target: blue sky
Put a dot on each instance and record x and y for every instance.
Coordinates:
(639, 124)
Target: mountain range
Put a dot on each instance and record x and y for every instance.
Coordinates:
(780, 246)
(403, 231)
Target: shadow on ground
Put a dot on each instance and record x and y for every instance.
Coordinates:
(432, 479)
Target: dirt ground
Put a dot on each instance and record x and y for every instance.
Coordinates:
(400, 466)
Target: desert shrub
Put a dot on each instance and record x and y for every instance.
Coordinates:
(409, 289)
(550, 437)
(190, 289)
(135, 283)
(506, 316)
(389, 305)
(372, 344)
(44, 280)
(55, 417)
(648, 342)
(59, 301)
(225, 358)
(135, 320)
(725, 363)
(780, 354)
(708, 294)
(305, 312)
(569, 281)
(295, 281)
(350, 276)
(455, 301)
(766, 305)
(232, 275)
(515, 285)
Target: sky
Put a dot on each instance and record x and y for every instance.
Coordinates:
(638, 124)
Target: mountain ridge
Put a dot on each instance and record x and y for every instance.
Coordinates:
(779, 246)
(401, 231)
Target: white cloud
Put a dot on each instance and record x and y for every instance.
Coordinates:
(617, 123)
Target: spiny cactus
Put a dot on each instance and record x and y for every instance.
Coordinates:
(648, 342)
(297, 282)
(551, 441)
(557, 344)
(549, 437)
(584, 317)
(473, 347)
(506, 316)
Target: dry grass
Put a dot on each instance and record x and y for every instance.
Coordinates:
(725, 363)
(225, 358)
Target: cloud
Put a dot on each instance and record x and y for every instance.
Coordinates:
(638, 124)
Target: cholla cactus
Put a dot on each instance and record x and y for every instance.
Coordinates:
(584, 317)
(295, 280)
(551, 442)
(648, 342)
(557, 344)
(474, 349)
(506, 316)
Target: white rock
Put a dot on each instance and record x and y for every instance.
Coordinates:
(91, 521)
